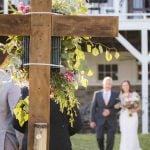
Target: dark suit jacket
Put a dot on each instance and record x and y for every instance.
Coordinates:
(97, 107)
(60, 129)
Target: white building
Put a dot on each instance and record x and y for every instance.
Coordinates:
(133, 42)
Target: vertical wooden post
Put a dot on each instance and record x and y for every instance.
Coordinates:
(39, 76)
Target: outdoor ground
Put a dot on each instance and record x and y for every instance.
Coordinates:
(88, 142)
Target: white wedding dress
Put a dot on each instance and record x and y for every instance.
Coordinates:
(128, 129)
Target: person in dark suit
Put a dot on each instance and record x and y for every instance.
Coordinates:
(60, 128)
(103, 114)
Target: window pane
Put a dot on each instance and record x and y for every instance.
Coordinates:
(139, 72)
(114, 76)
(137, 4)
(101, 76)
(139, 68)
(107, 68)
(110, 70)
(1, 4)
(108, 74)
(101, 68)
(139, 77)
(98, 1)
(114, 68)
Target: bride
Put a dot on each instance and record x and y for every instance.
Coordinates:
(128, 120)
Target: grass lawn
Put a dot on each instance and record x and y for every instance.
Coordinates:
(88, 142)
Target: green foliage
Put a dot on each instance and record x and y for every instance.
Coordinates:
(21, 111)
(99, 48)
(64, 94)
(69, 7)
(95, 51)
(117, 55)
(74, 59)
(108, 56)
(13, 48)
(89, 48)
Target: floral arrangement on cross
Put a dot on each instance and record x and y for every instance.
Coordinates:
(73, 58)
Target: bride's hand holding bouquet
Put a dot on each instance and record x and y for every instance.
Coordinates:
(132, 103)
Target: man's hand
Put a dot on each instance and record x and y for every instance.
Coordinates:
(92, 125)
(106, 112)
(20, 147)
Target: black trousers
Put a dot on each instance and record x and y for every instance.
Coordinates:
(110, 131)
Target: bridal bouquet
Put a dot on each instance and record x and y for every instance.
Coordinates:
(131, 102)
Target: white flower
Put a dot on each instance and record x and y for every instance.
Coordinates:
(134, 97)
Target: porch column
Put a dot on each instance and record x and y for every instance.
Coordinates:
(124, 8)
(144, 48)
(5, 6)
(144, 59)
(116, 6)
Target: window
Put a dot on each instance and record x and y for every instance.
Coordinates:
(98, 1)
(140, 72)
(108, 70)
(1, 5)
(26, 2)
(147, 5)
(137, 4)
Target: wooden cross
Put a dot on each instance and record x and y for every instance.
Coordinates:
(40, 25)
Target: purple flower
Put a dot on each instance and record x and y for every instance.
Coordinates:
(69, 76)
(23, 8)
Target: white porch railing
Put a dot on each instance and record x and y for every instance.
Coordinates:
(123, 16)
(130, 16)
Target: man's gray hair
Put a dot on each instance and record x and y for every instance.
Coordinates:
(107, 79)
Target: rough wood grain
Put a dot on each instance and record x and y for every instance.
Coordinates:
(41, 5)
(14, 25)
(39, 76)
(95, 26)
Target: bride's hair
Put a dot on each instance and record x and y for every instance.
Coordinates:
(130, 87)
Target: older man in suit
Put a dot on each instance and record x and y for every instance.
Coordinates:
(103, 114)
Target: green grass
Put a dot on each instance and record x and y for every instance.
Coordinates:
(88, 142)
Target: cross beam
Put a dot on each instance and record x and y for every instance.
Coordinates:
(40, 27)
(104, 26)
